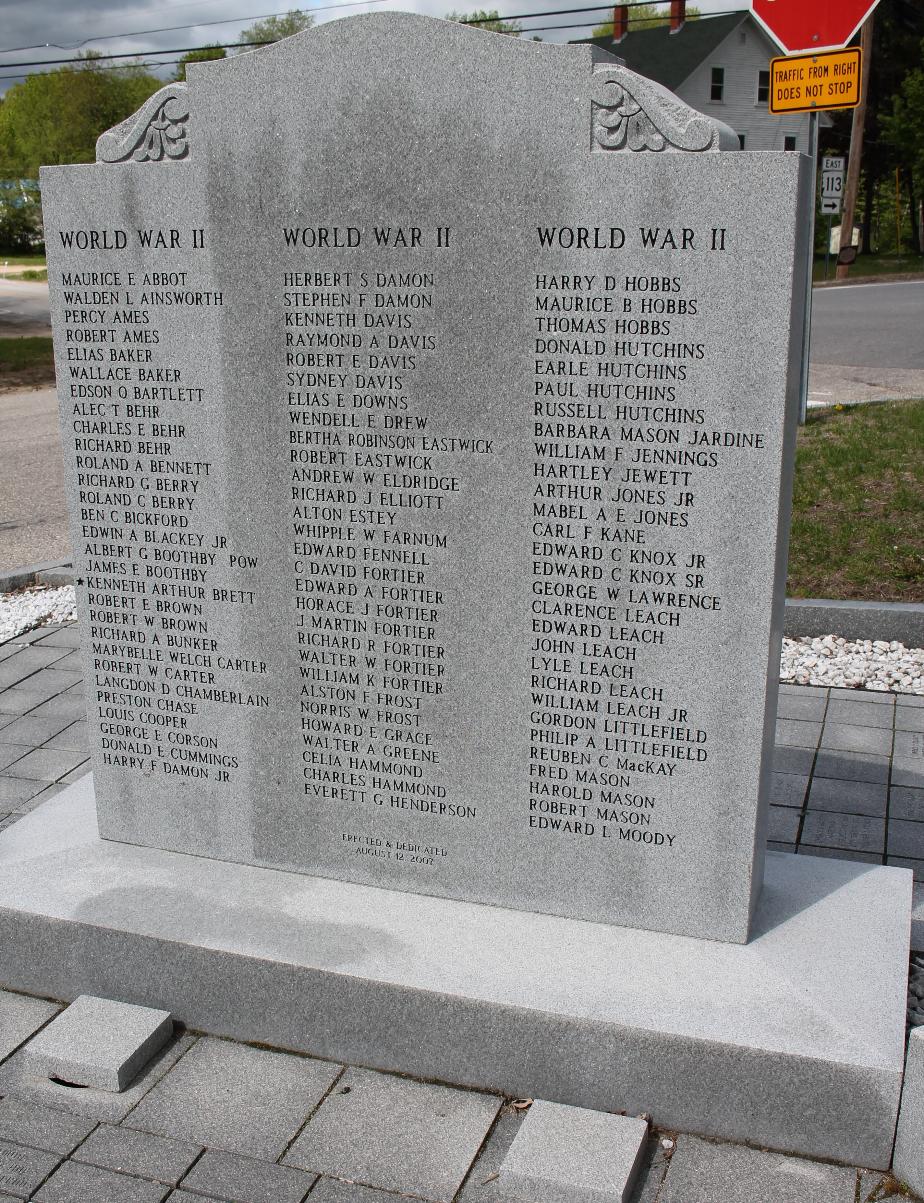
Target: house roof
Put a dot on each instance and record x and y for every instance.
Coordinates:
(668, 57)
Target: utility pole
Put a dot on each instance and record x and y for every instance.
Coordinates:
(856, 147)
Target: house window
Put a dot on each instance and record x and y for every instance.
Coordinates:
(742, 138)
(763, 87)
(717, 91)
(789, 142)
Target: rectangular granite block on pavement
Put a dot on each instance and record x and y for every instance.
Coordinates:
(573, 1155)
(908, 1160)
(98, 1042)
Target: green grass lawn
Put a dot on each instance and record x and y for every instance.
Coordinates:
(26, 361)
(22, 260)
(870, 265)
(858, 504)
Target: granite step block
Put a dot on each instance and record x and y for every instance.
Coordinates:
(573, 1155)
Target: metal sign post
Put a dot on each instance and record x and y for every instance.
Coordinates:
(810, 254)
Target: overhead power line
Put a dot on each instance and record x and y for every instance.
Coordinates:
(135, 54)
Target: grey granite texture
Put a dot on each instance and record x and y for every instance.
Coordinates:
(98, 1042)
(908, 1160)
(329, 1190)
(231, 1097)
(851, 797)
(73, 1182)
(20, 1018)
(42, 1127)
(901, 621)
(572, 1155)
(701, 1172)
(428, 608)
(244, 1180)
(772, 1041)
(16, 1081)
(23, 1170)
(140, 1153)
(388, 1132)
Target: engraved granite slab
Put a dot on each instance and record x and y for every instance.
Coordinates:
(428, 401)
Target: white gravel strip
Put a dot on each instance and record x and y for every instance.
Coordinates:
(31, 608)
(828, 660)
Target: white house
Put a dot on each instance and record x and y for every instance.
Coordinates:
(718, 65)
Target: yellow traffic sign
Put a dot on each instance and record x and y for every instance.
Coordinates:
(807, 83)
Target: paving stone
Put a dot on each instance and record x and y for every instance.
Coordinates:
(329, 1190)
(20, 1018)
(184, 1196)
(76, 773)
(46, 764)
(243, 1180)
(66, 637)
(22, 1170)
(74, 1182)
(702, 1172)
(236, 1098)
(809, 691)
(909, 719)
(98, 1042)
(810, 707)
(96, 1104)
(777, 846)
(852, 766)
(876, 1187)
(73, 737)
(796, 733)
(784, 824)
(384, 1131)
(906, 771)
(827, 829)
(41, 1127)
(905, 862)
(905, 839)
(18, 700)
(873, 697)
(859, 714)
(788, 789)
(37, 633)
(847, 737)
(68, 705)
(868, 858)
(140, 1153)
(14, 791)
(573, 1155)
(16, 669)
(909, 745)
(32, 730)
(53, 680)
(854, 797)
(71, 661)
(9, 820)
(10, 753)
(909, 699)
(906, 803)
(481, 1185)
(46, 792)
(795, 761)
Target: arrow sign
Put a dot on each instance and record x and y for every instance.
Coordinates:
(801, 25)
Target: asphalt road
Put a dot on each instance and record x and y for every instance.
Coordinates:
(870, 325)
(33, 516)
(23, 308)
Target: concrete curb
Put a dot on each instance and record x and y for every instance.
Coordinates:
(893, 278)
(901, 621)
(50, 572)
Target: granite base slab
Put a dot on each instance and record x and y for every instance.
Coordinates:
(794, 1041)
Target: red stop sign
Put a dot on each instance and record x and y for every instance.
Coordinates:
(800, 25)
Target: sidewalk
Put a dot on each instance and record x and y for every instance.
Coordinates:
(218, 1120)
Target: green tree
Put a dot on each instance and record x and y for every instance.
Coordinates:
(483, 18)
(56, 116)
(645, 16)
(203, 55)
(20, 218)
(274, 29)
(903, 131)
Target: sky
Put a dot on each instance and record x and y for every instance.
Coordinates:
(51, 29)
